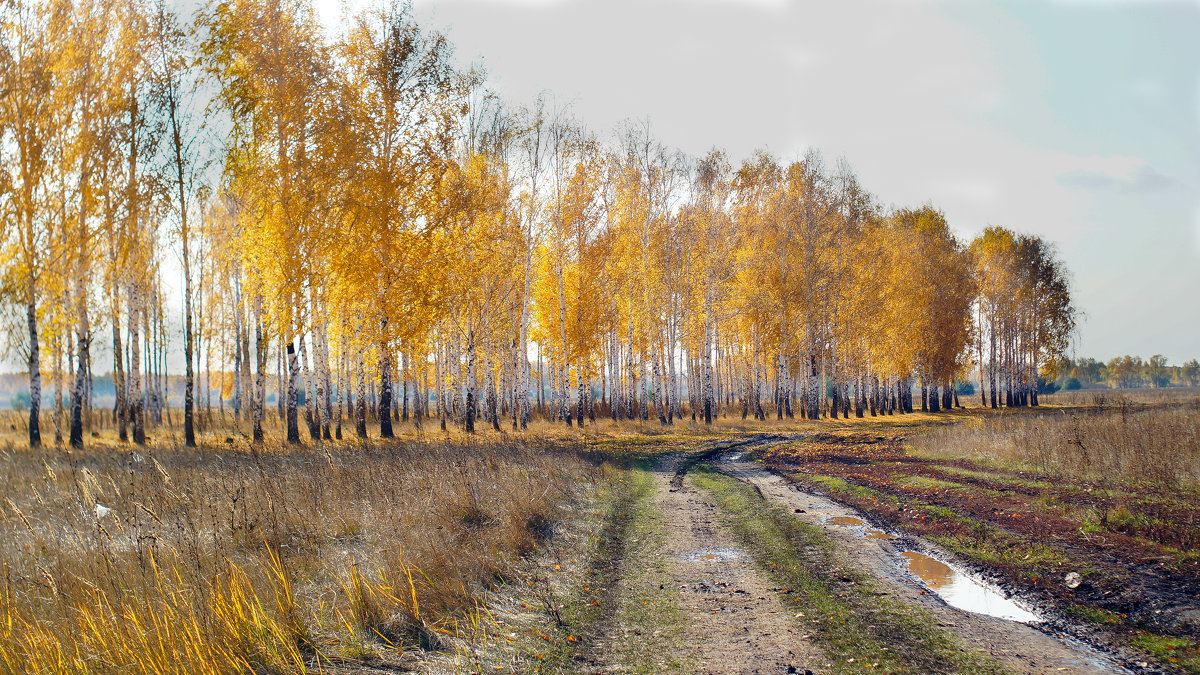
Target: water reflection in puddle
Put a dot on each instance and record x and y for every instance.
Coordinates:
(845, 521)
(859, 526)
(961, 591)
(714, 555)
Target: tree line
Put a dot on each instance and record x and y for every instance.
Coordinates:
(1128, 372)
(359, 224)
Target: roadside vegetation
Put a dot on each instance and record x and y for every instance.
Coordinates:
(1146, 440)
(543, 551)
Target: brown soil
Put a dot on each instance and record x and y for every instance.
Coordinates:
(1143, 569)
(1016, 646)
(734, 619)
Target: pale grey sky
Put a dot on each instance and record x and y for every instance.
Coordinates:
(1079, 121)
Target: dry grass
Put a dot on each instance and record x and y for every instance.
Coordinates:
(1118, 397)
(1119, 441)
(222, 559)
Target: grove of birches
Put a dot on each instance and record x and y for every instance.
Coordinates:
(355, 222)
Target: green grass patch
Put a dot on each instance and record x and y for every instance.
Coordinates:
(1177, 653)
(991, 546)
(840, 486)
(943, 512)
(1122, 518)
(1003, 479)
(1095, 615)
(843, 611)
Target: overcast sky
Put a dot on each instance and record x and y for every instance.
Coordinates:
(1078, 121)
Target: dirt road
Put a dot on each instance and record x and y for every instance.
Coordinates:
(706, 562)
(735, 620)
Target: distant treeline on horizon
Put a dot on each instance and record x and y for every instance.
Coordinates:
(1127, 372)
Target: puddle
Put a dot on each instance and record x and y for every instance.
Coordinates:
(714, 555)
(961, 591)
(858, 525)
(845, 521)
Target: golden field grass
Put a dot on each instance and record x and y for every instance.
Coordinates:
(1102, 398)
(282, 559)
(229, 557)
(1133, 437)
(223, 559)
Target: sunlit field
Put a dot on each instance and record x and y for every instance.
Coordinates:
(1138, 437)
(234, 556)
(226, 558)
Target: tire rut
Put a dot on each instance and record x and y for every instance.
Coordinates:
(595, 653)
(735, 620)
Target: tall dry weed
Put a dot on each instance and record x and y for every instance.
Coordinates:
(1118, 443)
(228, 560)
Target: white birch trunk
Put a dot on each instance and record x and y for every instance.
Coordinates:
(259, 395)
(136, 401)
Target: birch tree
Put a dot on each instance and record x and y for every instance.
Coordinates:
(30, 123)
(173, 86)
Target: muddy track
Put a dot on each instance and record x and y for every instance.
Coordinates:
(1131, 576)
(720, 608)
(710, 451)
(594, 653)
(734, 619)
(1017, 646)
